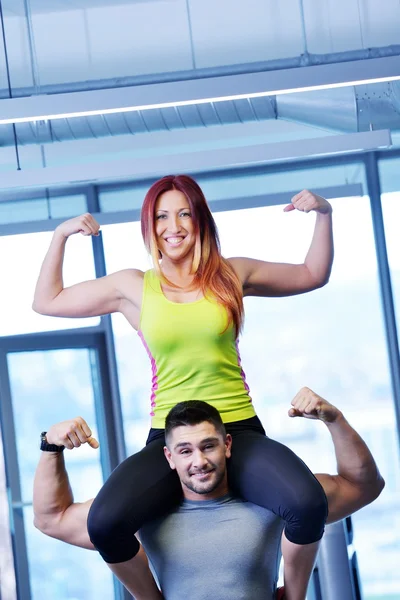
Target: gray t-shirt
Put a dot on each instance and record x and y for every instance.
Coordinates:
(215, 550)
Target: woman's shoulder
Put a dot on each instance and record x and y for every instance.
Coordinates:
(240, 265)
(129, 275)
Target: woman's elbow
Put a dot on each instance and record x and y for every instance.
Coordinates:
(322, 280)
(42, 308)
(37, 308)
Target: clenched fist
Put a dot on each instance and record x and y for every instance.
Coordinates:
(308, 404)
(306, 201)
(71, 434)
(84, 224)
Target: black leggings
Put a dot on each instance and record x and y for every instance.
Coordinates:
(260, 470)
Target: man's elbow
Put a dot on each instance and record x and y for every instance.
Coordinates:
(47, 525)
(373, 490)
(379, 486)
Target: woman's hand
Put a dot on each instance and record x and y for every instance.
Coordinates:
(306, 201)
(84, 224)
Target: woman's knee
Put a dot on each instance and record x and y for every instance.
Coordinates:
(111, 534)
(102, 523)
(306, 516)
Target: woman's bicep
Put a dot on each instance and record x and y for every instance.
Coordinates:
(91, 298)
(262, 278)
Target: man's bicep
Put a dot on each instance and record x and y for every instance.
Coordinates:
(344, 498)
(71, 526)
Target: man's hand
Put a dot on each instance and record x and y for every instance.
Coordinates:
(308, 404)
(306, 201)
(71, 434)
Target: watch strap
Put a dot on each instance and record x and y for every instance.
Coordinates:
(46, 447)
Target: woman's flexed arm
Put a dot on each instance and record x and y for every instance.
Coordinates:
(86, 299)
(261, 278)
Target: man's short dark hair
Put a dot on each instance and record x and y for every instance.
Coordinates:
(193, 412)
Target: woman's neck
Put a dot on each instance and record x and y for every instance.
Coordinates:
(177, 271)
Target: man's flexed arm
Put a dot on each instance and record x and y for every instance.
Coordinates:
(358, 481)
(55, 512)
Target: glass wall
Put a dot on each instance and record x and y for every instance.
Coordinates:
(59, 207)
(390, 184)
(331, 340)
(7, 576)
(123, 247)
(22, 256)
(48, 387)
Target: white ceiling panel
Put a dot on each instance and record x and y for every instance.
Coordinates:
(380, 22)
(18, 52)
(118, 41)
(16, 7)
(65, 34)
(235, 32)
(331, 28)
(343, 25)
(84, 40)
(134, 40)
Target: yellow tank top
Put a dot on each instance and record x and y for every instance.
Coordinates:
(191, 358)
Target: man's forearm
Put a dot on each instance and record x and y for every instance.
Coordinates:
(354, 460)
(52, 493)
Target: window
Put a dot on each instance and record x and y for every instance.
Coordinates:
(390, 178)
(48, 387)
(19, 270)
(7, 579)
(21, 211)
(123, 247)
(331, 340)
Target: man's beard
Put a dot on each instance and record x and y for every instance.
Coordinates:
(209, 486)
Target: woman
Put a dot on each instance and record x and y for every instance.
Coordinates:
(188, 312)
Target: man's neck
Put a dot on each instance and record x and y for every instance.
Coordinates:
(216, 494)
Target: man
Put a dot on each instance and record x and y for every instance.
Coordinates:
(212, 546)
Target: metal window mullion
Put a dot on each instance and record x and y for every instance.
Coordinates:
(51, 340)
(108, 409)
(374, 190)
(18, 538)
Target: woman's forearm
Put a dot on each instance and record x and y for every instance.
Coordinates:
(50, 280)
(319, 257)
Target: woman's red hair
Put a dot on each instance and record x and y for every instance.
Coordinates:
(212, 273)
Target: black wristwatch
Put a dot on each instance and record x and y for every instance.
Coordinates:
(46, 447)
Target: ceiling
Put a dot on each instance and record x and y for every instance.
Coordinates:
(61, 47)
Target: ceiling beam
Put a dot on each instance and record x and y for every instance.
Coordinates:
(195, 91)
(242, 202)
(193, 162)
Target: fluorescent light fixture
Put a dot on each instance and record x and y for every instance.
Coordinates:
(177, 103)
(204, 90)
(194, 162)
